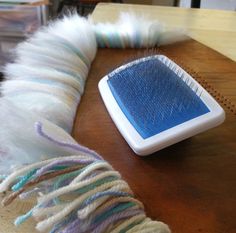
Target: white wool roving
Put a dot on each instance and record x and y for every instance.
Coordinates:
(135, 31)
(49, 73)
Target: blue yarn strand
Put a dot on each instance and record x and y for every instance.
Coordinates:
(24, 180)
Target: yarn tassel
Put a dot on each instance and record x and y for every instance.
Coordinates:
(78, 193)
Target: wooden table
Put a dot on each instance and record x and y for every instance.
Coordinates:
(191, 185)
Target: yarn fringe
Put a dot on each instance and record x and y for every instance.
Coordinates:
(78, 193)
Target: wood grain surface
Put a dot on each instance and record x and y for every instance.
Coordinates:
(191, 185)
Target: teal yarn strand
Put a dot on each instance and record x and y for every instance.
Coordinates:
(95, 184)
(30, 175)
(19, 220)
(23, 218)
(84, 189)
(24, 180)
(58, 182)
(119, 208)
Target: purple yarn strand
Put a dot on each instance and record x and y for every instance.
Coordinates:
(78, 221)
(61, 162)
(102, 194)
(114, 218)
(77, 147)
(75, 226)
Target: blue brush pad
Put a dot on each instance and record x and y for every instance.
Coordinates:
(153, 97)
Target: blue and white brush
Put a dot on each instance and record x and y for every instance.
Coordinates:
(155, 103)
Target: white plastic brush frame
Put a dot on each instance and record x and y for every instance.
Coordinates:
(147, 146)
